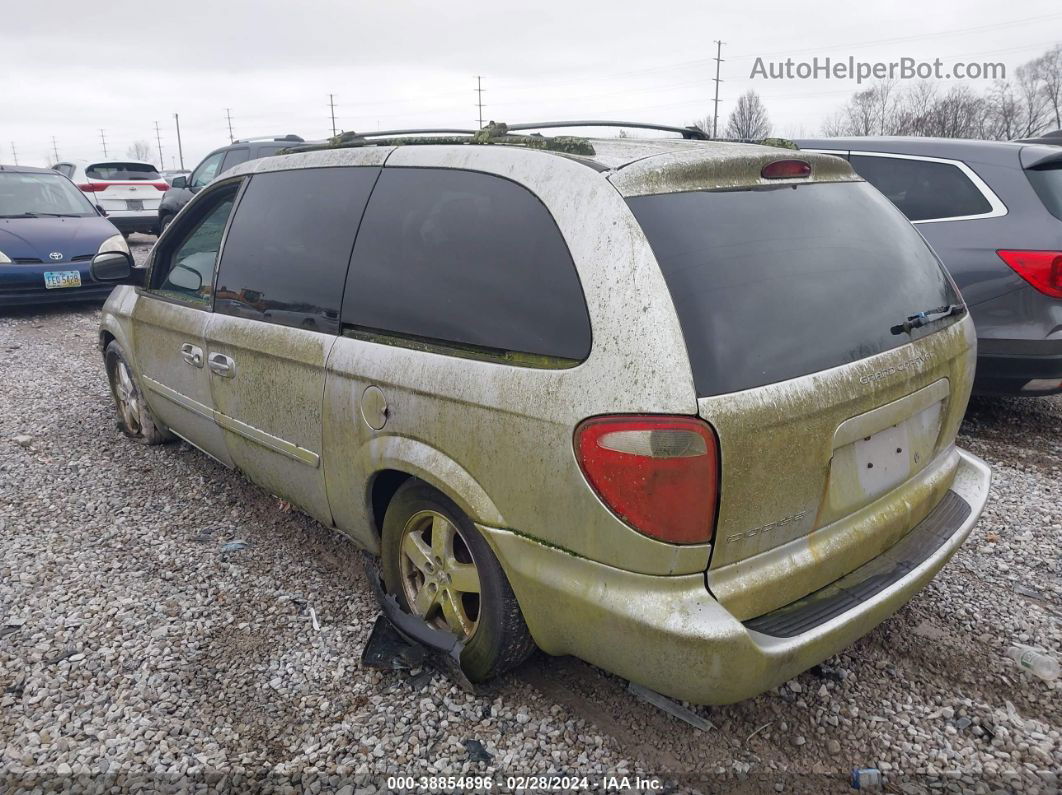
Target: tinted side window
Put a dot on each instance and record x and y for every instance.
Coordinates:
(266, 150)
(233, 158)
(206, 170)
(466, 258)
(922, 189)
(186, 268)
(287, 252)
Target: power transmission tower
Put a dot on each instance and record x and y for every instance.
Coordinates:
(332, 105)
(228, 117)
(103, 140)
(14, 154)
(479, 99)
(718, 61)
(55, 148)
(158, 137)
(180, 149)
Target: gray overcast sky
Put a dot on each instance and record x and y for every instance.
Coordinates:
(71, 67)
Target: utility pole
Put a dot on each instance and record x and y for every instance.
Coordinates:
(718, 61)
(180, 149)
(479, 99)
(103, 140)
(332, 105)
(55, 148)
(228, 117)
(14, 154)
(158, 137)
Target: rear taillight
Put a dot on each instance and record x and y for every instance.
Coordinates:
(161, 185)
(786, 169)
(92, 187)
(659, 474)
(1041, 269)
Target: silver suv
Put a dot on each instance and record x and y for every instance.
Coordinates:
(686, 410)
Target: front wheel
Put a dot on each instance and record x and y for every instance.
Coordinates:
(439, 567)
(135, 419)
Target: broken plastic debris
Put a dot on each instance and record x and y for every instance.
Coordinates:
(865, 778)
(670, 706)
(313, 620)
(387, 649)
(447, 647)
(476, 751)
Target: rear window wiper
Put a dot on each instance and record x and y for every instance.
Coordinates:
(920, 319)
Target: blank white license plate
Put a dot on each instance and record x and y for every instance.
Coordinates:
(134, 204)
(54, 280)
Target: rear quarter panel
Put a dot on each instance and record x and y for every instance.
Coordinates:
(502, 436)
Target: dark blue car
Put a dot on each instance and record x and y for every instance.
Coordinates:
(49, 233)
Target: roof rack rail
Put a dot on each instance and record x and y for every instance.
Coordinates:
(694, 133)
(297, 139)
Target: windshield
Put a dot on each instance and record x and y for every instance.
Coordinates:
(1047, 182)
(121, 171)
(29, 194)
(771, 284)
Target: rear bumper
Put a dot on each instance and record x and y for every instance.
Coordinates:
(669, 634)
(127, 221)
(1018, 367)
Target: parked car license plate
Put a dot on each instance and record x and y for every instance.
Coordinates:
(57, 279)
(134, 204)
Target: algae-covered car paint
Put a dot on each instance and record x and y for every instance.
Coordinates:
(685, 410)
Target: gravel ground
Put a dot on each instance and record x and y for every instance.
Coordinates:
(136, 651)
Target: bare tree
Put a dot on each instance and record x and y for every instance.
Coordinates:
(1004, 112)
(1035, 103)
(139, 150)
(749, 119)
(1048, 68)
(1022, 107)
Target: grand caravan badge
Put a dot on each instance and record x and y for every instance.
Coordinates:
(918, 361)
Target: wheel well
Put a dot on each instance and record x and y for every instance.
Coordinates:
(106, 338)
(384, 486)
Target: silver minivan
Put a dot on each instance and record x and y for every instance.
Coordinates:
(684, 409)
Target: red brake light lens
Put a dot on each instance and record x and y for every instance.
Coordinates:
(92, 187)
(658, 474)
(1041, 269)
(161, 185)
(786, 169)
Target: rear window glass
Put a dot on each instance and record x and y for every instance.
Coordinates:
(1047, 182)
(771, 284)
(121, 171)
(467, 258)
(922, 189)
(287, 250)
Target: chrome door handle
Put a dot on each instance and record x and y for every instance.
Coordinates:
(222, 365)
(192, 354)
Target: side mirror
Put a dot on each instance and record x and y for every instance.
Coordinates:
(115, 267)
(179, 182)
(100, 210)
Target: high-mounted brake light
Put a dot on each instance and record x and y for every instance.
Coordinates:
(659, 474)
(786, 169)
(1041, 269)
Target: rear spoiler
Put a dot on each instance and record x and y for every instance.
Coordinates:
(1040, 156)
